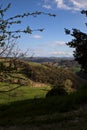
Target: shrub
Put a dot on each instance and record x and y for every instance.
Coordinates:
(2, 67)
(68, 86)
(57, 91)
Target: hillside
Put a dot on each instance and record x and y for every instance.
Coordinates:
(23, 100)
(24, 73)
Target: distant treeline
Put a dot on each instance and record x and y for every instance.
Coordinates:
(46, 59)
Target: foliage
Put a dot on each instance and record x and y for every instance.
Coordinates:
(68, 86)
(58, 91)
(2, 66)
(80, 44)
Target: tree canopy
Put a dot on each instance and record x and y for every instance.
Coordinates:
(80, 44)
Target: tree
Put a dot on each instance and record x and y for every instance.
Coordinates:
(8, 36)
(80, 44)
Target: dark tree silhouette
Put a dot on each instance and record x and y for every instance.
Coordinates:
(80, 44)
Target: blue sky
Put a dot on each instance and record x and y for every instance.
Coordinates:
(52, 41)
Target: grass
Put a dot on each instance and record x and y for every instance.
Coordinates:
(20, 92)
(76, 69)
(30, 109)
(25, 107)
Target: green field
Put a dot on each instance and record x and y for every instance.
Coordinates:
(10, 92)
(28, 108)
(23, 101)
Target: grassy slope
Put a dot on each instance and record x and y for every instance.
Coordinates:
(52, 74)
(27, 108)
(19, 93)
(48, 74)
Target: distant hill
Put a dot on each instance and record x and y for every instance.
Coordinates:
(43, 73)
(46, 59)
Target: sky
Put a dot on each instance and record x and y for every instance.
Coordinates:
(52, 41)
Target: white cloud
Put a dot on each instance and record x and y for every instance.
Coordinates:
(71, 4)
(47, 6)
(60, 4)
(37, 36)
(53, 48)
(42, 51)
(74, 5)
(79, 4)
(62, 53)
(53, 44)
(59, 43)
(45, 1)
(56, 44)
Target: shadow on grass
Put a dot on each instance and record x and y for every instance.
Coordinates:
(25, 111)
